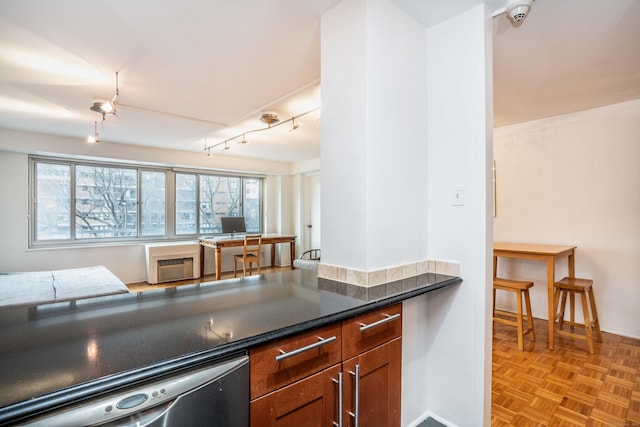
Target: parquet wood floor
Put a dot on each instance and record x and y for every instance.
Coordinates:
(566, 386)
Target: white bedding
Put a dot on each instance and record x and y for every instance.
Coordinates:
(42, 287)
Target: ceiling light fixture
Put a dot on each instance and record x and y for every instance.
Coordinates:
(271, 119)
(107, 107)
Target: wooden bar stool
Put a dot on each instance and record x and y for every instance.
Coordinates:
(520, 288)
(572, 286)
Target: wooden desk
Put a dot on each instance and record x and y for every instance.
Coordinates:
(538, 252)
(227, 242)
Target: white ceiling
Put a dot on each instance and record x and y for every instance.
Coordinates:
(192, 69)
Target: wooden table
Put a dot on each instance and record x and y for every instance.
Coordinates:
(227, 242)
(538, 252)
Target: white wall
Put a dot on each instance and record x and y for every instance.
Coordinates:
(306, 204)
(457, 321)
(308, 192)
(575, 180)
(126, 261)
(280, 210)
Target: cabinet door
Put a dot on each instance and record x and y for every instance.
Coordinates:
(372, 387)
(310, 402)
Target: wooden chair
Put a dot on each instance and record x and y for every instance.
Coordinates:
(570, 286)
(521, 289)
(250, 253)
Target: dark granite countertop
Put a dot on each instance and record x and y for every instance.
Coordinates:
(60, 353)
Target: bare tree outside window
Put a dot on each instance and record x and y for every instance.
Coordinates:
(219, 196)
(106, 202)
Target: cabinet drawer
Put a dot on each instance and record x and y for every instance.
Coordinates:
(371, 329)
(277, 364)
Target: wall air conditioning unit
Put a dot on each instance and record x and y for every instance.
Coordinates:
(168, 262)
(170, 270)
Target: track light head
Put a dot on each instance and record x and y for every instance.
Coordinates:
(92, 139)
(103, 107)
(294, 125)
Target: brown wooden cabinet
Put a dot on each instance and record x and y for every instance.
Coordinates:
(346, 374)
(372, 382)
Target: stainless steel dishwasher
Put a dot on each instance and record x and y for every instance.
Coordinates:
(217, 395)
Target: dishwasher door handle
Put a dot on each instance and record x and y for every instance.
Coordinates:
(145, 417)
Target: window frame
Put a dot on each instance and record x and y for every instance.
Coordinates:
(170, 201)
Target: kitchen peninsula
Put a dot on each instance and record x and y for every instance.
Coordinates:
(66, 353)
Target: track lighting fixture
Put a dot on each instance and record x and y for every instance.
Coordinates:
(107, 107)
(92, 139)
(294, 125)
(271, 119)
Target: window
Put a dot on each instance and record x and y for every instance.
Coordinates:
(109, 205)
(153, 203)
(80, 202)
(53, 201)
(218, 196)
(186, 201)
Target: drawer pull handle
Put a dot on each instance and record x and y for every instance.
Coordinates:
(387, 319)
(321, 341)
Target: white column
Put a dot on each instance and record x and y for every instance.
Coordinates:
(374, 144)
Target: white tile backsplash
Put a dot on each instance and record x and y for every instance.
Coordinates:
(387, 275)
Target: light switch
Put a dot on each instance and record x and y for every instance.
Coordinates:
(457, 197)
